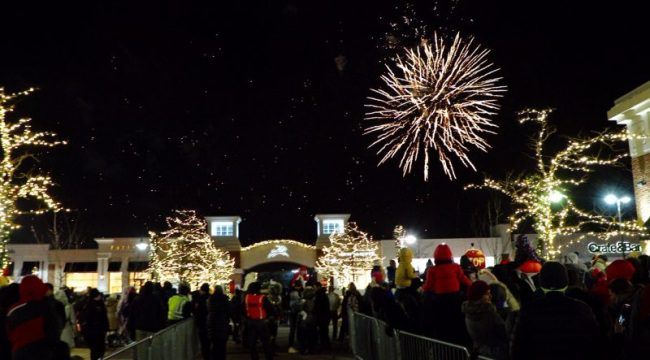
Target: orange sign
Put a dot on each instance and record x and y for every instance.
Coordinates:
(476, 257)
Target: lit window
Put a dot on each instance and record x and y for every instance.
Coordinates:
(332, 226)
(115, 283)
(221, 228)
(80, 281)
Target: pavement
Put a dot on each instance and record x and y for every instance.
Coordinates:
(340, 351)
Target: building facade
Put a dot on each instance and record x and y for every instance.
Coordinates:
(633, 111)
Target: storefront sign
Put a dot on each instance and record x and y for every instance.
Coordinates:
(278, 250)
(476, 257)
(617, 247)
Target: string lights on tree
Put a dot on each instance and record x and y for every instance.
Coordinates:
(350, 257)
(541, 195)
(185, 252)
(439, 95)
(19, 178)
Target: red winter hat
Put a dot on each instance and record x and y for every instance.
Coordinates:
(620, 269)
(443, 252)
(31, 289)
(477, 290)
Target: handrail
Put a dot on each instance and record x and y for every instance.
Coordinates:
(149, 338)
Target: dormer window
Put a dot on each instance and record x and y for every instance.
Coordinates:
(332, 226)
(221, 228)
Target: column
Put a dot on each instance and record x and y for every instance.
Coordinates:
(124, 270)
(18, 266)
(102, 271)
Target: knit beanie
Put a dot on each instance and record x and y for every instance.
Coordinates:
(477, 290)
(442, 252)
(620, 269)
(553, 276)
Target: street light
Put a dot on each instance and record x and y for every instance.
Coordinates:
(612, 199)
(555, 196)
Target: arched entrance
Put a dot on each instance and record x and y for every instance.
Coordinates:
(277, 251)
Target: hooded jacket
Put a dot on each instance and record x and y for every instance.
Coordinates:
(32, 325)
(486, 328)
(405, 272)
(447, 277)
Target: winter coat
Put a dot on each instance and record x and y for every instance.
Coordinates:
(200, 310)
(218, 317)
(179, 307)
(148, 312)
(405, 272)
(335, 301)
(33, 326)
(67, 335)
(93, 317)
(111, 312)
(445, 279)
(321, 306)
(555, 326)
(486, 328)
(490, 278)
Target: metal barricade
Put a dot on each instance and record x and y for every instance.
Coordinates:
(175, 342)
(416, 347)
(372, 339)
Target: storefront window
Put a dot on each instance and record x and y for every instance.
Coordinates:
(80, 281)
(137, 279)
(115, 283)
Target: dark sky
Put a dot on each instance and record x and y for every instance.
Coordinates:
(238, 107)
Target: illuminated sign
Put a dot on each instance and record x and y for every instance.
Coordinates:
(617, 247)
(278, 250)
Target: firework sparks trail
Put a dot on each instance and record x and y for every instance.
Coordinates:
(438, 96)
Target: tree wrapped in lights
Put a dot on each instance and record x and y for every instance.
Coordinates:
(441, 96)
(540, 196)
(19, 180)
(350, 256)
(185, 252)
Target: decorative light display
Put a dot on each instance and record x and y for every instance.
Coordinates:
(186, 253)
(19, 181)
(279, 242)
(398, 234)
(350, 257)
(540, 195)
(438, 96)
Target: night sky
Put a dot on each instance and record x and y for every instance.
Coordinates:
(240, 108)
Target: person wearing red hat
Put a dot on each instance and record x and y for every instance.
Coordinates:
(445, 277)
(32, 325)
(442, 317)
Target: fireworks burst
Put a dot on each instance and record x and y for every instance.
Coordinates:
(439, 96)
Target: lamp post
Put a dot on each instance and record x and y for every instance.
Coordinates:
(612, 199)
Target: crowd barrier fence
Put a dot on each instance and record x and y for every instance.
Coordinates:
(372, 339)
(176, 342)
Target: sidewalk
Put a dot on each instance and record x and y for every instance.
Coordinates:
(340, 351)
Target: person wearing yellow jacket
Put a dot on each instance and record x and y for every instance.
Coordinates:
(405, 272)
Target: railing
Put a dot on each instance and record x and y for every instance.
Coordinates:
(175, 342)
(372, 339)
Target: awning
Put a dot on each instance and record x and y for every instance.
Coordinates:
(138, 266)
(80, 267)
(28, 266)
(114, 266)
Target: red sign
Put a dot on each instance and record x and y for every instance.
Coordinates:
(476, 257)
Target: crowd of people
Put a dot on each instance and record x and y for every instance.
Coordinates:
(524, 309)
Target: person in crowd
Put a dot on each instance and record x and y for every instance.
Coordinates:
(179, 305)
(335, 305)
(33, 327)
(113, 320)
(274, 296)
(167, 291)
(236, 311)
(307, 326)
(217, 323)
(572, 263)
(442, 314)
(69, 320)
(94, 324)
(390, 271)
(352, 304)
(322, 315)
(58, 306)
(554, 326)
(9, 295)
(405, 272)
(148, 312)
(295, 306)
(200, 314)
(126, 328)
(258, 309)
(484, 325)
(468, 267)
